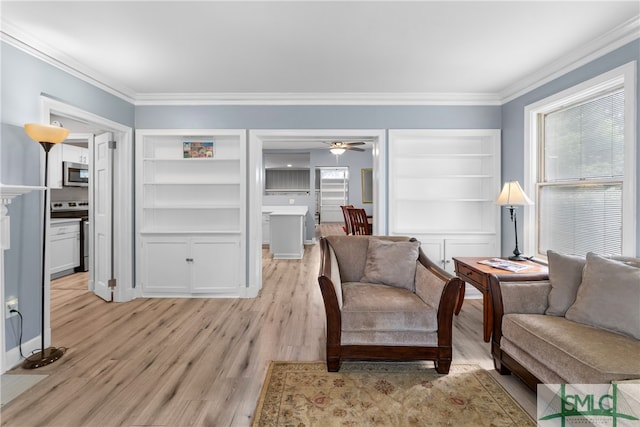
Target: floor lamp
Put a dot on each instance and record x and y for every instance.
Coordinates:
(47, 136)
(511, 196)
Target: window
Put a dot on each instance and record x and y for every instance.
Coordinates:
(582, 168)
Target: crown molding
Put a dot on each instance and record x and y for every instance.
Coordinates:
(618, 37)
(354, 98)
(17, 38)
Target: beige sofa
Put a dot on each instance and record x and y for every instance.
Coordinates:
(582, 326)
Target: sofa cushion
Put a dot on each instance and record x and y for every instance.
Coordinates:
(369, 307)
(576, 352)
(391, 263)
(608, 297)
(565, 275)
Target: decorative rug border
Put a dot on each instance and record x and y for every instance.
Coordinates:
(483, 376)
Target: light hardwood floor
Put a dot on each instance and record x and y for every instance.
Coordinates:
(201, 362)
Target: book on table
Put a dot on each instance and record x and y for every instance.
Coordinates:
(503, 264)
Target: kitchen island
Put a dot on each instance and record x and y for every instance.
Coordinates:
(286, 230)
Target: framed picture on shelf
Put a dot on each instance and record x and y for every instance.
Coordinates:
(197, 150)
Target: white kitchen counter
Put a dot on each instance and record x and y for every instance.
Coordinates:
(286, 210)
(55, 221)
(286, 230)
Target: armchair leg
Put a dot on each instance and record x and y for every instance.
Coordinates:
(502, 370)
(333, 364)
(442, 366)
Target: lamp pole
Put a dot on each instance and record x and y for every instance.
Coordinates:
(517, 255)
(47, 136)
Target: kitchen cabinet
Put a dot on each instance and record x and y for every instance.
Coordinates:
(266, 227)
(443, 185)
(64, 246)
(75, 154)
(191, 209)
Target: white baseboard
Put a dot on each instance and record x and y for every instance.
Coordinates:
(12, 357)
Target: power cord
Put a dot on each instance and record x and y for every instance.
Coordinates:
(20, 335)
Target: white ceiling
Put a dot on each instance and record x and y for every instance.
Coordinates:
(163, 50)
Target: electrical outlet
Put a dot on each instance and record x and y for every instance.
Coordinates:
(11, 304)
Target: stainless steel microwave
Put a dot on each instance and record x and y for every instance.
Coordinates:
(75, 175)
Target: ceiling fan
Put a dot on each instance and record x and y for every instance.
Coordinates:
(339, 147)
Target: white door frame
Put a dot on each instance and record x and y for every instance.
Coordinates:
(255, 185)
(123, 187)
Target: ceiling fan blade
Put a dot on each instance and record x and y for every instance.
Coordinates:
(354, 143)
(353, 148)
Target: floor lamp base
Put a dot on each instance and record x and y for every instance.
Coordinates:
(42, 358)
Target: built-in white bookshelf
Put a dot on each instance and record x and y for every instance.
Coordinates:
(183, 200)
(442, 189)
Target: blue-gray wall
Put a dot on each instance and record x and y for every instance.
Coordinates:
(24, 79)
(513, 123)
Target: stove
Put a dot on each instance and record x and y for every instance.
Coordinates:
(70, 206)
(76, 209)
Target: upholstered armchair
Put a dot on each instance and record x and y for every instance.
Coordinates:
(385, 300)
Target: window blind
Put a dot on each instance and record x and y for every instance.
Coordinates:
(580, 195)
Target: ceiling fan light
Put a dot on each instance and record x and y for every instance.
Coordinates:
(337, 151)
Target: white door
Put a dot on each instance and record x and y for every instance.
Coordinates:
(102, 242)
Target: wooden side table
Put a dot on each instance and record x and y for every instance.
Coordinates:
(469, 270)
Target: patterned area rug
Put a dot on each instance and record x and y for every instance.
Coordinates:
(384, 394)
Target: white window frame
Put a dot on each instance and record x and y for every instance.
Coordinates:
(623, 76)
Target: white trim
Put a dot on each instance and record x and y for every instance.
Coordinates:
(123, 187)
(618, 37)
(307, 98)
(15, 37)
(624, 74)
(12, 357)
(255, 185)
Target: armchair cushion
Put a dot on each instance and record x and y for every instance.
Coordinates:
(391, 263)
(608, 297)
(565, 274)
(372, 307)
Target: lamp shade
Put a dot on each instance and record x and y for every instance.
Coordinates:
(337, 151)
(513, 195)
(46, 133)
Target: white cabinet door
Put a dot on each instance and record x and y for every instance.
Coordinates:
(441, 250)
(215, 265)
(75, 154)
(64, 252)
(55, 166)
(266, 228)
(165, 265)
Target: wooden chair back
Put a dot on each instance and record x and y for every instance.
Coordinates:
(359, 222)
(347, 220)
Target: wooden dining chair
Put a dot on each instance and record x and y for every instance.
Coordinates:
(347, 221)
(359, 222)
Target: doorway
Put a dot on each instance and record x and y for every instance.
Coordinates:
(298, 139)
(121, 217)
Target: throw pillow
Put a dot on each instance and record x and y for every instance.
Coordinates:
(609, 296)
(565, 275)
(391, 263)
